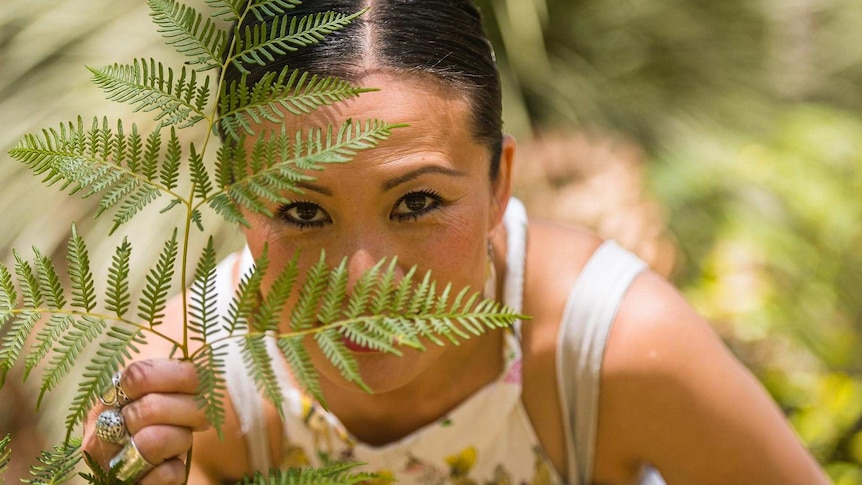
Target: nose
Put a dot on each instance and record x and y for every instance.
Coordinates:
(363, 259)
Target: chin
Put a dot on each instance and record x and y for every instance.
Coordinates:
(382, 372)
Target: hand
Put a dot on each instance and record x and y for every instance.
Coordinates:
(160, 418)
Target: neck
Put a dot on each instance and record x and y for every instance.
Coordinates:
(456, 374)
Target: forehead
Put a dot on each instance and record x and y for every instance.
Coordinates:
(437, 116)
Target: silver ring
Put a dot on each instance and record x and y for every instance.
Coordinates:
(115, 396)
(129, 464)
(111, 427)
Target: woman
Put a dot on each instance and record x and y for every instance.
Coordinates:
(507, 407)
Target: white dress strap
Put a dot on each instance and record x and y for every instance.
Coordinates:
(247, 402)
(515, 222)
(587, 319)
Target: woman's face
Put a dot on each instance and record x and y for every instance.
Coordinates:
(423, 195)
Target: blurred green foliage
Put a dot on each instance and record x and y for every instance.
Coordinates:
(749, 112)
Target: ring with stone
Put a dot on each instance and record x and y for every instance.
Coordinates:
(115, 395)
(111, 427)
(129, 464)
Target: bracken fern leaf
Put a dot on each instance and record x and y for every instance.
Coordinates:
(304, 312)
(329, 474)
(297, 357)
(203, 319)
(229, 10)
(117, 297)
(49, 281)
(8, 293)
(331, 343)
(83, 291)
(189, 32)
(263, 42)
(14, 340)
(271, 8)
(245, 298)
(149, 86)
(5, 455)
(267, 317)
(47, 337)
(155, 293)
(259, 363)
(57, 465)
(211, 392)
(199, 174)
(69, 347)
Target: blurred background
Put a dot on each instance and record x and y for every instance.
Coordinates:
(721, 141)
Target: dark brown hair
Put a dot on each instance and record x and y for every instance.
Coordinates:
(439, 38)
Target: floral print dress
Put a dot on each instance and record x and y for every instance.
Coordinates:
(487, 439)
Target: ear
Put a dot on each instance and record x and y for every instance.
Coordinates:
(501, 188)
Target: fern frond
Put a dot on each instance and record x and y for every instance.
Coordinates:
(57, 465)
(113, 353)
(84, 331)
(189, 33)
(5, 455)
(49, 281)
(271, 8)
(228, 10)
(28, 282)
(259, 362)
(47, 337)
(98, 476)
(83, 291)
(333, 296)
(277, 164)
(149, 86)
(8, 293)
(268, 315)
(155, 293)
(304, 313)
(276, 94)
(246, 297)
(117, 297)
(297, 357)
(362, 291)
(98, 160)
(14, 340)
(199, 174)
(331, 343)
(330, 474)
(170, 171)
(203, 318)
(210, 366)
(263, 42)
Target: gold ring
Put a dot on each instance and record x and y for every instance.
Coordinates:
(129, 464)
(115, 396)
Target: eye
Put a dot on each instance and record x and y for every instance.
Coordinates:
(303, 214)
(415, 205)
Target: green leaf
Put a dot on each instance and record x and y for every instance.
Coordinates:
(83, 291)
(228, 10)
(199, 174)
(278, 94)
(331, 343)
(263, 42)
(98, 476)
(28, 282)
(149, 86)
(155, 293)
(336, 289)
(329, 474)
(259, 363)
(49, 281)
(5, 455)
(14, 339)
(84, 331)
(170, 170)
(297, 357)
(189, 33)
(212, 389)
(57, 465)
(304, 313)
(113, 353)
(47, 336)
(246, 297)
(268, 316)
(270, 8)
(117, 297)
(8, 293)
(203, 304)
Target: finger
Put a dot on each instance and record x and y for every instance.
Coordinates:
(171, 409)
(100, 450)
(160, 443)
(159, 376)
(170, 472)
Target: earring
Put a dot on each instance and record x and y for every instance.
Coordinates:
(490, 291)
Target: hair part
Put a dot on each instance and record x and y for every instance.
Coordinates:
(438, 39)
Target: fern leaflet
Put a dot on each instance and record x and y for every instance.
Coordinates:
(188, 32)
(271, 8)
(229, 10)
(117, 297)
(49, 281)
(83, 332)
(155, 293)
(245, 299)
(14, 340)
(203, 301)
(279, 93)
(8, 293)
(149, 86)
(330, 474)
(57, 465)
(5, 455)
(331, 343)
(263, 42)
(297, 357)
(259, 363)
(304, 312)
(199, 175)
(211, 392)
(268, 315)
(83, 291)
(56, 326)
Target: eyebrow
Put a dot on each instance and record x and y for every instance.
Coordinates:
(407, 177)
(314, 188)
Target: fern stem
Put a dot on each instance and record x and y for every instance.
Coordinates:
(105, 317)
